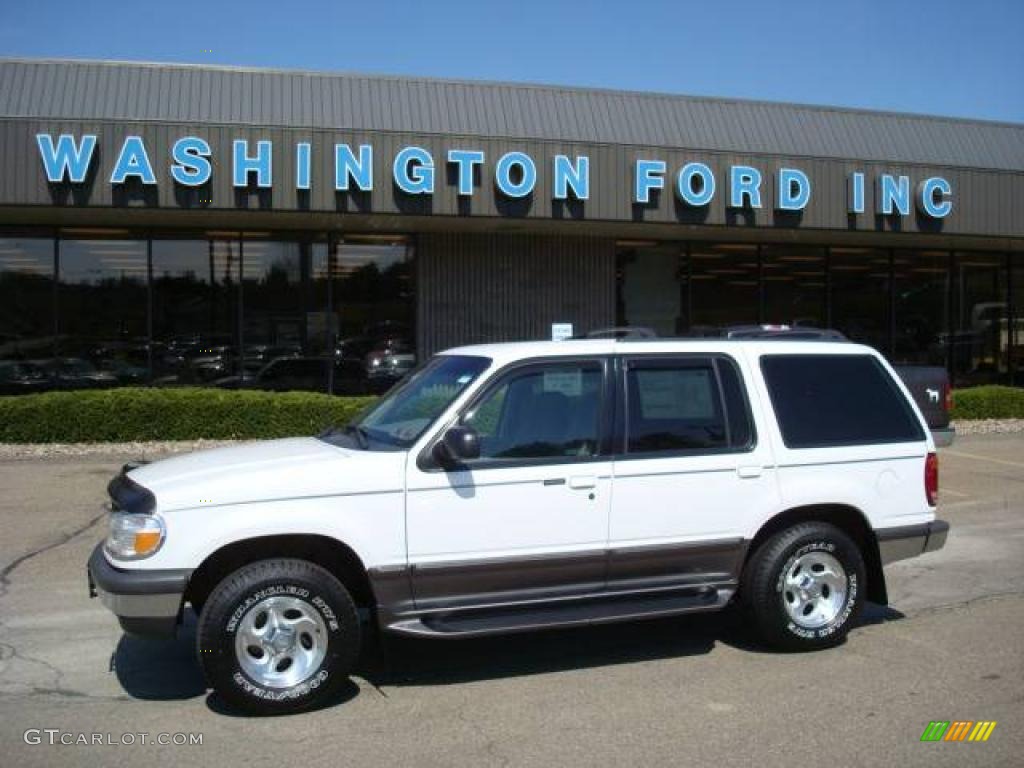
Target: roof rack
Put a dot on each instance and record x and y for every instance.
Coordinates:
(788, 332)
(763, 332)
(622, 332)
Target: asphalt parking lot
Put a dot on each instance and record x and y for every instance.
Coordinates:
(687, 691)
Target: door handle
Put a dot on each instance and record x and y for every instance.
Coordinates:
(581, 482)
(749, 472)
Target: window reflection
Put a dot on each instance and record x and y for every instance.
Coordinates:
(651, 287)
(859, 279)
(373, 312)
(794, 285)
(920, 306)
(26, 313)
(102, 309)
(244, 310)
(1017, 321)
(723, 286)
(981, 329)
(195, 310)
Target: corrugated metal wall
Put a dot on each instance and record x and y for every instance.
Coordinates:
(985, 202)
(222, 95)
(491, 287)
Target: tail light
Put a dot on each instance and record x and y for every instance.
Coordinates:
(931, 479)
(948, 398)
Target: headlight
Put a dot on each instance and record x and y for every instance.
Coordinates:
(133, 537)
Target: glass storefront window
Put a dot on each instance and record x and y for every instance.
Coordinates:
(373, 307)
(859, 298)
(102, 314)
(1017, 320)
(651, 288)
(195, 311)
(920, 307)
(26, 313)
(794, 285)
(723, 286)
(980, 338)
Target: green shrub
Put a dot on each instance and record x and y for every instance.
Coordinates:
(135, 413)
(989, 402)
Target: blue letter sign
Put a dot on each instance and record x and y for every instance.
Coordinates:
(695, 194)
(527, 174)
(933, 197)
(572, 175)
(133, 161)
(744, 182)
(66, 158)
(191, 161)
(244, 164)
(414, 171)
(464, 160)
(347, 167)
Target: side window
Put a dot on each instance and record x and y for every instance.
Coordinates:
(545, 411)
(832, 400)
(677, 405)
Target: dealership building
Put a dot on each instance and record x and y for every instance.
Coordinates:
(174, 224)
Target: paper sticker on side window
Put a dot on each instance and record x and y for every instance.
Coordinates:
(569, 383)
(675, 394)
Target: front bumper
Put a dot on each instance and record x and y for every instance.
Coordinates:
(146, 602)
(911, 540)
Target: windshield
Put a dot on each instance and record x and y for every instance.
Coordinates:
(405, 412)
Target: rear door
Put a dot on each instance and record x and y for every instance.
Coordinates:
(691, 474)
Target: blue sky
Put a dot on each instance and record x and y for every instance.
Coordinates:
(962, 58)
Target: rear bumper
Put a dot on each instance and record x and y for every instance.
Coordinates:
(943, 436)
(911, 540)
(146, 602)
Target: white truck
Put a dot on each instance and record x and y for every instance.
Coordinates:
(513, 487)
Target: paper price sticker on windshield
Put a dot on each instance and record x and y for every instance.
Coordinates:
(569, 383)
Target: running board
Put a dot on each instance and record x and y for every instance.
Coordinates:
(475, 622)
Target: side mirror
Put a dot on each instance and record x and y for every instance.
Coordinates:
(458, 443)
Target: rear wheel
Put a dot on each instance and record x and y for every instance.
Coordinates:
(278, 636)
(804, 587)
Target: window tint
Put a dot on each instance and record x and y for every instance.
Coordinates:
(829, 400)
(541, 412)
(674, 405)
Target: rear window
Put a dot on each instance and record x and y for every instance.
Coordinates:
(833, 400)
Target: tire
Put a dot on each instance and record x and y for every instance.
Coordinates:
(805, 587)
(278, 636)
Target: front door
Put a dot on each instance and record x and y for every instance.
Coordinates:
(529, 518)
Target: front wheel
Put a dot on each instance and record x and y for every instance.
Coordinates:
(278, 636)
(804, 587)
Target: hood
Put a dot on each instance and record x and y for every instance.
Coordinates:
(269, 470)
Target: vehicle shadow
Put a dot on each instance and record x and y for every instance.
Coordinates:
(167, 670)
(160, 669)
(396, 661)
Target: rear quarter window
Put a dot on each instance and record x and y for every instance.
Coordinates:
(835, 400)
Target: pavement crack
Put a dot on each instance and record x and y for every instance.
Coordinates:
(9, 651)
(929, 609)
(5, 574)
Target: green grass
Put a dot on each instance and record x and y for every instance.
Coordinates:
(136, 413)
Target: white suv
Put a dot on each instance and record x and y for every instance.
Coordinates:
(512, 487)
